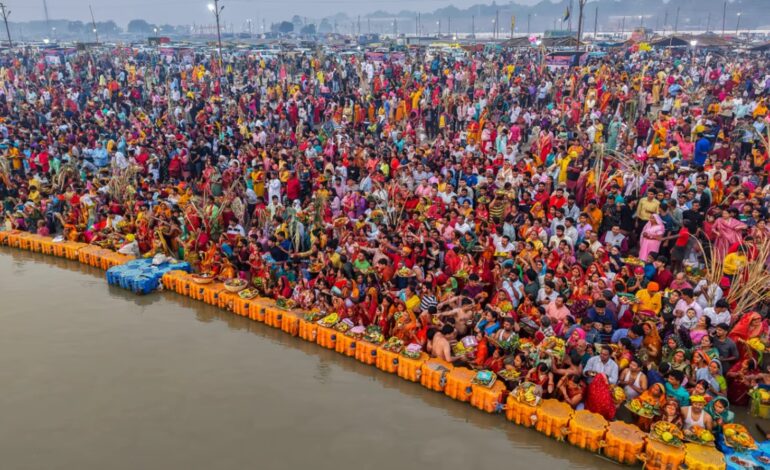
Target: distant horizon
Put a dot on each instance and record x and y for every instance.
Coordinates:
(257, 16)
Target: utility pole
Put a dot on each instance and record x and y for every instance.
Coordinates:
(596, 20)
(216, 9)
(93, 23)
(529, 17)
(449, 25)
(368, 26)
(359, 25)
(623, 27)
(473, 26)
(47, 20)
(497, 22)
(6, 14)
(417, 26)
(676, 21)
(708, 22)
(581, 5)
(665, 22)
(571, 11)
(724, 16)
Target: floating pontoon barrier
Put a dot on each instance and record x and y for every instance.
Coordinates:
(619, 441)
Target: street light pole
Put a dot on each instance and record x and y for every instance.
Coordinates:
(216, 9)
(738, 24)
(6, 13)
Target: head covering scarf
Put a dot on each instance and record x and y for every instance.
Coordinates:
(727, 416)
(599, 397)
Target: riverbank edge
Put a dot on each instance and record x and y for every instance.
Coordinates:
(618, 441)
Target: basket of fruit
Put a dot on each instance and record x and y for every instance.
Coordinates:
(314, 315)
(329, 320)
(394, 345)
(632, 261)
(618, 395)
(248, 294)
(235, 285)
(204, 278)
(738, 437)
(699, 435)
(640, 408)
(509, 374)
(344, 325)
(667, 433)
(412, 351)
(528, 393)
(485, 378)
(374, 334)
(285, 304)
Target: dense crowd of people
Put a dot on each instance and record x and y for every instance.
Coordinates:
(577, 228)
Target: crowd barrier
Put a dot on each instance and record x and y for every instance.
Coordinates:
(619, 441)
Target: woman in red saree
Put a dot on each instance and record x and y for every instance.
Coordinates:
(748, 327)
(599, 397)
(544, 145)
(739, 379)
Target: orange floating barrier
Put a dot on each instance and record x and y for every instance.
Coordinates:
(553, 417)
(211, 293)
(226, 300)
(458, 384)
(25, 241)
(308, 330)
(197, 291)
(72, 249)
(326, 337)
(13, 238)
(487, 398)
(46, 246)
(698, 457)
(273, 316)
(36, 243)
(172, 279)
(587, 430)
(346, 345)
(409, 368)
(660, 456)
(366, 352)
(433, 374)
(4, 234)
(387, 361)
(241, 306)
(258, 309)
(623, 443)
(290, 323)
(520, 413)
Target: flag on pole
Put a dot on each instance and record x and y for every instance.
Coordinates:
(567, 13)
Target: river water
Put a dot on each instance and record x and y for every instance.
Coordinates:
(94, 377)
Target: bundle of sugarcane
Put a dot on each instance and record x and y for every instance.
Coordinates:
(749, 286)
(121, 184)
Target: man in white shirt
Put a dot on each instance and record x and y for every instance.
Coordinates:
(463, 227)
(602, 364)
(719, 313)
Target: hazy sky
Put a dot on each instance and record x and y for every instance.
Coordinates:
(236, 11)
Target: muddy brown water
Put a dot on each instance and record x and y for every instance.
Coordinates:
(94, 377)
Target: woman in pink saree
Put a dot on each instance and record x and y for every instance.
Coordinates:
(727, 231)
(652, 233)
